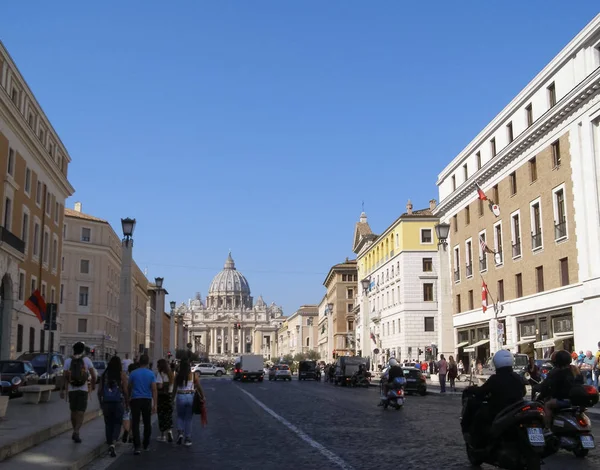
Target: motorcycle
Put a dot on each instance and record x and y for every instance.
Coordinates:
(395, 395)
(361, 380)
(516, 438)
(571, 428)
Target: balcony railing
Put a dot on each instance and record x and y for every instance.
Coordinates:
(516, 248)
(456, 275)
(536, 240)
(12, 240)
(469, 270)
(560, 230)
(483, 263)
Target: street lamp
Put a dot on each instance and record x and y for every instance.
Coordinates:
(441, 230)
(128, 226)
(126, 330)
(158, 350)
(329, 313)
(158, 282)
(444, 299)
(173, 304)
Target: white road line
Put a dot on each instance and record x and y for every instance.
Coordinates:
(301, 434)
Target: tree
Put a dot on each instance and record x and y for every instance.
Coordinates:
(313, 355)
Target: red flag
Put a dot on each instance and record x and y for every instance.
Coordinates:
(480, 194)
(37, 305)
(484, 292)
(373, 338)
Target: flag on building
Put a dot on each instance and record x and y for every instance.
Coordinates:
(480, 194)
(37, 305)
(484, 296)
(373, 338)
(484, 248)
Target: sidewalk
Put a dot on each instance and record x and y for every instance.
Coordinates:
(27, 425)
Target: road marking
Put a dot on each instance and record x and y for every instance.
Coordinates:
(301, 434)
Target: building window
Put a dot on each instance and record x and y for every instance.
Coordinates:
(7, 213)
(516, 236)
(42, 342)
(350, 292)
(429, 323)
(496, 194)
(556, 154)
(478, 157)
(551, 95)
(33, 284)
(426, 236)
(27, 181)
(427, 292)
(38, 193)
(466, 171)
(467, 215)
(469, 258)
(30, 120)
(11, 162)
(564, 271)
(456, 264)
(453, 183)
(19, 338)
(83, 296)
(86, 235)
(480, 205)
(513, 183)
(536, 226)
(56, 211)
(14, 96)
(539, 278)
(43, 292)
(82, 325)
(498, 242)
(84, 268)
(493, 147)
(48, 202)
(25, 229)
(509, 132)
(458, 307)
(21, 286)
(518, 285)
(350, 307)
(470, 299)
(533, 169)
(62, 289)
(54, 254)
(560, 216)
(455, 222)
(46, 246)
(427, 265)
(529, 114)
(500, 290)
(31, 339)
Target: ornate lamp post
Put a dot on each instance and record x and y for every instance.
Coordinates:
(172, 304)
(364, 320)
(330, 337)
(158, 350)
(445, 327)
(125, 345)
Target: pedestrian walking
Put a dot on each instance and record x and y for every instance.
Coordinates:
(442, 367)
(164, 386)
(126, 363)
(127, 435)
(452, 373)
(461, 368)
(77, 371)
(112, 396)
(186, 385)
(142, 389)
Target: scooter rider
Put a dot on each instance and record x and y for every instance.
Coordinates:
(394, 370)
(502, 389)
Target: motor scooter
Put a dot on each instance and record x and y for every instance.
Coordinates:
(395, 395)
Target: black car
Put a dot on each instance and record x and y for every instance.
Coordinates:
(415, 381)
(308, 370)
(49, 371)
(14, 375)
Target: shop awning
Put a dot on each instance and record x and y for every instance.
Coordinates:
(525, 341)
(462, 345)
(550, 343)
(563, 336)
(473, 347)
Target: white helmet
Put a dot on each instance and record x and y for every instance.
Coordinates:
(503, 358)
(392, 362)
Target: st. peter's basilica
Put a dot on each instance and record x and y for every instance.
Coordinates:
(229, 323)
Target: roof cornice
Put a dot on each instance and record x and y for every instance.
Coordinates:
(576, 98)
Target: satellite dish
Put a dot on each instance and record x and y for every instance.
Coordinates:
(496, 210)
(498, 258)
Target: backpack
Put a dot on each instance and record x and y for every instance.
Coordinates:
(78, 372)
(111, 392)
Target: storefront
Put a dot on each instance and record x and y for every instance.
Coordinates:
(543, 333)
(473, 345)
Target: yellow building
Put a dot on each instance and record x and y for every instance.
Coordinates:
(398, 316)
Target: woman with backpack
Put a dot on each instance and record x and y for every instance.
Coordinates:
(164, 385)
(187, 384)
(112, 395)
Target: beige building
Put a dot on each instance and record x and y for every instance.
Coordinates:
(299, 333)
(322, 330)
(89, 295)
(538, 162)
(341, 284)
(34, 165)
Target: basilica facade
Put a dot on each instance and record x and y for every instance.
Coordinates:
(229, 323)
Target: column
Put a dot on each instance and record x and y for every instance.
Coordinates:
(445, 325)
(231, 343)
(126, 345)
(172, 333)
(157, 351)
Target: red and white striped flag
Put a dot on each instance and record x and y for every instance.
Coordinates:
(480, 194)
(484, 296)
(484, 248)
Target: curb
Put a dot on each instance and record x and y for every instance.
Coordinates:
(14, 448)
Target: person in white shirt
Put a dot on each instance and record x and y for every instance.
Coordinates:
(77, 372)
(126, 363)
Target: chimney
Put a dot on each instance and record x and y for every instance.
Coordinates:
(78, 207)
(432, 204)
(409, 207)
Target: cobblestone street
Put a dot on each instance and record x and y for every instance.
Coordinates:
(312, 425)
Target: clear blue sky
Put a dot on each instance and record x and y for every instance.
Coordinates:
(260, 126)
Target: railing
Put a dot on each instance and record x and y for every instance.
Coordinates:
(560, 230)
(516, 248)
(483, 263)
(469, 270)
(536, 240)
(11, 239)
(457, 275)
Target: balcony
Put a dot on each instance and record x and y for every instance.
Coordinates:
(560, 230)
(469, 270)
(536, 240)
(516, 249)
(456, 275)
(483, 263)
(11, 240)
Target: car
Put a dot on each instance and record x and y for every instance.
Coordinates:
(308, 370)
(280, 372)
(47, 375)
(14, 375)
(415, 381)
(205, 368)
(520, 364)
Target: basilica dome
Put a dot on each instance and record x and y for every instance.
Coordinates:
(229, 281)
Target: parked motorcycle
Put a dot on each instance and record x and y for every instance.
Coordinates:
(395, 395)
(516, 436)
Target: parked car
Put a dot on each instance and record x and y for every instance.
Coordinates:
(280, 372)
(346, 367)
(205, 368)
(47, 375)
(415, 381)
(308, 370)
(520, 363)
(14, 375)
